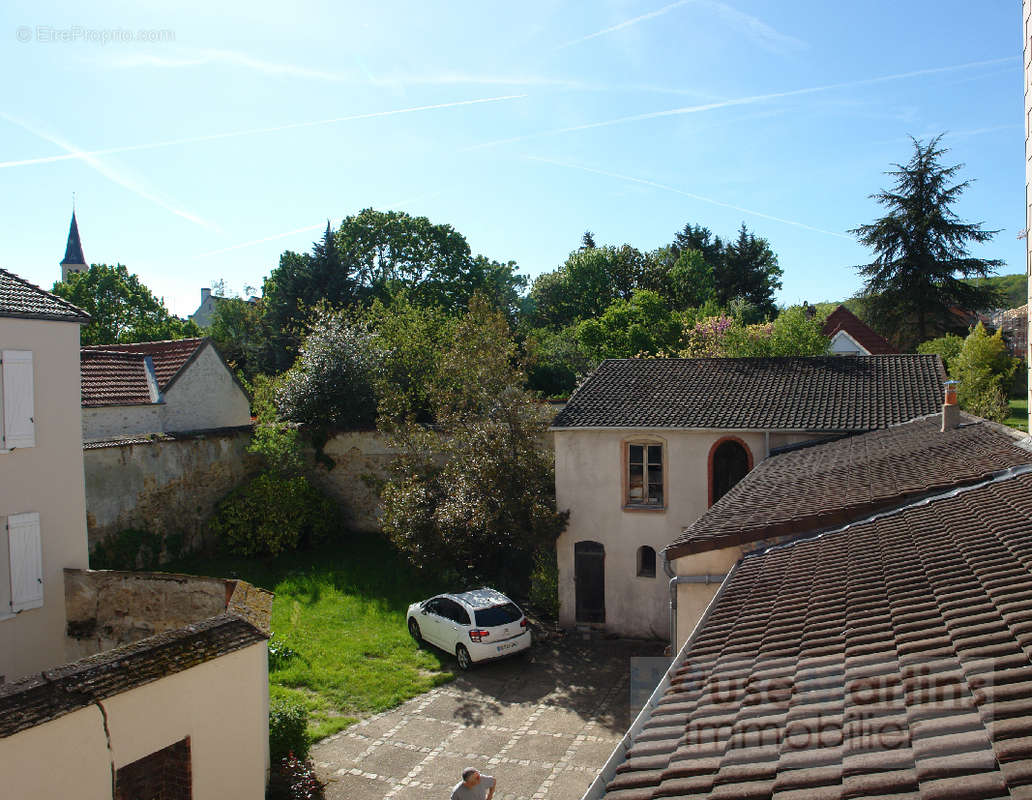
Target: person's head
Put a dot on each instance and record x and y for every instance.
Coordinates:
(470, 777)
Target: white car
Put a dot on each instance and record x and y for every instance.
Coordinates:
(475, 626)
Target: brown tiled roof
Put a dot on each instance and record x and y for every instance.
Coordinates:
(114, 378)
(169, 357)
(19, 298)
(833, 483)
(53, 693)
(889, 659)
(828, 393)
(842, 319)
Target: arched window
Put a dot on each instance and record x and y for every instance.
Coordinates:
(730, 460)
(646, 562)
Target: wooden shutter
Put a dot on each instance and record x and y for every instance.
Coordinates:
(26, 561)
(19, 414)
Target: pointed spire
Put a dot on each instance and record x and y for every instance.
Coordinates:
(73, 250)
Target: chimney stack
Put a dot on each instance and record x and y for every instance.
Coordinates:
(950, 409)
(205, 294)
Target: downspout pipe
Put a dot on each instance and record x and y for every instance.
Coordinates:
(675, 579)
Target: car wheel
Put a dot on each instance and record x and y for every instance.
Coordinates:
(413, 629)
(465, 662)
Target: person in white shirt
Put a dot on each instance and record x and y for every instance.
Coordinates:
(473, 786)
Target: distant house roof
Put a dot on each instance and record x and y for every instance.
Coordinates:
(832, 483)
(19, 298)
(111, 378)
(73, 250)
(169, 357)
(826, 393)
(842, 319)
(889, 658)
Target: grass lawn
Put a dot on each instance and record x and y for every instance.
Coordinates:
(1018, 413)
(342, 611)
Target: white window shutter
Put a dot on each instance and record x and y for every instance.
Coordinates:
(26, 561)
(19, 410)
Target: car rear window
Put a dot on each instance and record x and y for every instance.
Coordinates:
(497, 615)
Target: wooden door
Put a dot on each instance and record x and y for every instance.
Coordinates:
(589, 569)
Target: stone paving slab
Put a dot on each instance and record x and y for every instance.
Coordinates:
(543, 725)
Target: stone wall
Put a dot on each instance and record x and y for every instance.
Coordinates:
(106, 609)
(361, 462)
(168, 486)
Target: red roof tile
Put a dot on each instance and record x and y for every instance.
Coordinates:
(169, 357)
(842, 319)
(832, 483)
(114, 379)
(889, 658)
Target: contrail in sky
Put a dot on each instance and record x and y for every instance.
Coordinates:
(742, 101)
(109, 172)
(675, 190)
(79, 154)
(745, 23)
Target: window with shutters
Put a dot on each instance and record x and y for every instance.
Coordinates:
(25, 559)
(17, 401)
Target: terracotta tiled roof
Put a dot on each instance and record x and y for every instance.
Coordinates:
(890, 658)
(836, 482)
(828, 393)
(842, 319)
(19, 298)
(169, 357)
(114, 379)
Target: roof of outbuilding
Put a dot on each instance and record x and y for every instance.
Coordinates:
(889, 658)
(114, 379)
(842, 319)
(19, 298)
(832, 483)
(169, 356)
(825, 393)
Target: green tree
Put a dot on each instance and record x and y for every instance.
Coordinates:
(556, 360)
(332, 383)
(410, 339)
(239, 332)
(475, 498)
(985, 371)
(121, 307)
(748, 269)
(586, 283)
(300, 282)
(792, 333)
(921, 251)
(947, 347)
(642, 325)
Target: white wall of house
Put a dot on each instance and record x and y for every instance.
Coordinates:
(205, 396)
(111, 422)
(842, 344)
(590, 475)
(212, 703)
(47, 479)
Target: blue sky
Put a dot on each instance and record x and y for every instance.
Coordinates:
(206, 154)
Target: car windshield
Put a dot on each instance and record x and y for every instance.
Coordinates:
(497, 615)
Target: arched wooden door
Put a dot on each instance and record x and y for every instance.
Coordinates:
(589, 569)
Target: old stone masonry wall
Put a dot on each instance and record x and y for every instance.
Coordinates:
(166, 486)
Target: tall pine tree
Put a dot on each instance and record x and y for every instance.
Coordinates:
(921, 252)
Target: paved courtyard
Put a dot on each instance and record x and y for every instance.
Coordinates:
(542, 725)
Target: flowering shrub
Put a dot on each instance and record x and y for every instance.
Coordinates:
(294, 779)
(791, 334)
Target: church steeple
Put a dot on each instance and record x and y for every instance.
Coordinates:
(73, 260)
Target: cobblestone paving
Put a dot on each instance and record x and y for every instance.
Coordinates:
(542, 725)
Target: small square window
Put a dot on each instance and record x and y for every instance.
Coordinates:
(646, 562)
